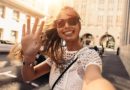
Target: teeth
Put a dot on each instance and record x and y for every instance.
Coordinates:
(68, 33)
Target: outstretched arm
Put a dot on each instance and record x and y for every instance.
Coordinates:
(93, 80)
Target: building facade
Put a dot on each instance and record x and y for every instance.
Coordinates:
(103, 19)
(13, 14)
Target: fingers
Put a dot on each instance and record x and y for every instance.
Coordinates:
(23, 30)
(41, 28)
(35, 25)
(27, 29)
(28, 26)
(39, 31)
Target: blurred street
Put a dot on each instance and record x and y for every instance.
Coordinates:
(114, 71)
(10, 76)
(105, 26)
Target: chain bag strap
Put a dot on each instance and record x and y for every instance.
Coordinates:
(75, 59)
(63, 73)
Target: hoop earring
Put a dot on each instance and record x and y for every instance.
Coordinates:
(63, 43)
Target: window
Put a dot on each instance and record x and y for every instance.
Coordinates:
(101, 4)
(100, 20)
(110, 21)
(16, 15)
(120, 5)
(101, 1)
(92, 20)
(110, 1)
(119, 21)
(1, 32)
(111, 5)
(2, 11)
(14, 35)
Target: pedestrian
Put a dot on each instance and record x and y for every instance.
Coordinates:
(102, 51)
(118, 51)
(96, 48)
(79, 66)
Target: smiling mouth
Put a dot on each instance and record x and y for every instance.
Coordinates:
(68, 33)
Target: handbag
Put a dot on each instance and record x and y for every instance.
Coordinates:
(63, 73)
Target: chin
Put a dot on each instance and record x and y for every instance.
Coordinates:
(69, 40)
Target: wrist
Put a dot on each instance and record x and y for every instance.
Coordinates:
(30, 64)
(29, 61)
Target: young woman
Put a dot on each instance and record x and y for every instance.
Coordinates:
(84, 74)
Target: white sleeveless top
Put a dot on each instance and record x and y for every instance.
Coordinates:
(73, 77)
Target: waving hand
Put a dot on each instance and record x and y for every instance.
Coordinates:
(31, 39)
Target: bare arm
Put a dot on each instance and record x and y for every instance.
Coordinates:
(94, 81)
(31, 43)
(31, 73)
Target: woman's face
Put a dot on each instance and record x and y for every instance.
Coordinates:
(68, 25)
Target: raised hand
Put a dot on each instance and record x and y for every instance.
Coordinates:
(31, 39)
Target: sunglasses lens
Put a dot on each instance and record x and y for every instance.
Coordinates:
(73, 21)
(60, 23)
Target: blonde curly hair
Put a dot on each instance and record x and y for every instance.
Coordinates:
(15, 52)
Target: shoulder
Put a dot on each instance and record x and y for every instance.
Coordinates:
(87, 51)
(89, 57)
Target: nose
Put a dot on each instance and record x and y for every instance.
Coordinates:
(66, 24)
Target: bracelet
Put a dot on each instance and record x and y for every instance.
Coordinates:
(30, 64)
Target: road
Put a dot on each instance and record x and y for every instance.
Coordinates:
(10, 77)
(114, 71)
(3, 60)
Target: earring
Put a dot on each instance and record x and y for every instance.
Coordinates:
(63, 43)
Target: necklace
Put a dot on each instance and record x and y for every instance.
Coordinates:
(66, 62)
(64, 65)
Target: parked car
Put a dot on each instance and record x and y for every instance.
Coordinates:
(5, 45)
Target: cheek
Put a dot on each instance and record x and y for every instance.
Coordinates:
(59, 32)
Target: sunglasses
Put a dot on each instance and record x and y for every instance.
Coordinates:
(70, 21)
